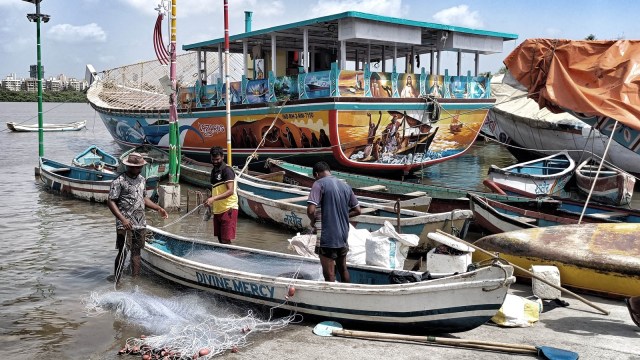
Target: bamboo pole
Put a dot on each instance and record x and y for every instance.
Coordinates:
(606, 312)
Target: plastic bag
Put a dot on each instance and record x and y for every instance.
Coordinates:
(386, 248)
(517, 311)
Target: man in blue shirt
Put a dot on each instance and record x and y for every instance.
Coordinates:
(337, 203)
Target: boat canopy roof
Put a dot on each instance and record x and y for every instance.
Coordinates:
(589, 78)
(361, 30)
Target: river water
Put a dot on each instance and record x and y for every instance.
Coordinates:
(57, 250)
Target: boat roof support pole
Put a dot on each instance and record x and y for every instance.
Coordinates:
(395, 55)
(312, 57)
(357, 60)
(305, 49)
(245, 50)
(431, 61)
(368, 56)
(343, 55)
(595, 179)
(438, 62)
(383, 60)
(459, 63)
(477, 63)
(273, 54)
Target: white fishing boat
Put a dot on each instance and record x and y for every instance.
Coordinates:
(545, 176)
(73, 126)
(448, 304)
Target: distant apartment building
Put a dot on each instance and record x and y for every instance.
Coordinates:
(59, 83)
(11, 82)
(30, 85)
(54, 85)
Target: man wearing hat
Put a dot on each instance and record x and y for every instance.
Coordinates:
(127, 201)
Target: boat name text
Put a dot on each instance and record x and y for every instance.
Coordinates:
(209, 130)
(245, 287)
(302, 115)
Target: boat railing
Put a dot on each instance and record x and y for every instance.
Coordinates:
(337, 83)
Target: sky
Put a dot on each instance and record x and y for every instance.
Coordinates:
(112, 33)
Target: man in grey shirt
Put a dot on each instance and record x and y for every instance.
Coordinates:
(337, 203)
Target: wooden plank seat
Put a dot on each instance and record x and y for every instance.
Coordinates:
(295, 199)
(58, 170)
(374, 188)
(524, 219)
(417, 193)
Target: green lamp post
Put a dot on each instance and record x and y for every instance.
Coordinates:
(38, 18)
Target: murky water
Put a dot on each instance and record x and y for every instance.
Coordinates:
(58, 250)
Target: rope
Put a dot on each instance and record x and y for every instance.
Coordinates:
(123, 255)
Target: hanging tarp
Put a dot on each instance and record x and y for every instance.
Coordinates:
(599, 79)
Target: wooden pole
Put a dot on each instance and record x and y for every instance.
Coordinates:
(529, 273)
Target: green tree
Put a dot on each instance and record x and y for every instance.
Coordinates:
(590, 37)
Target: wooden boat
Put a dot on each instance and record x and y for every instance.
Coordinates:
(199, 173)
(322, 108)
(442, 198)
(544, 176)
(613, 187)
(157, 161)
(601, 211)
(600, 258)
(288, 207)
(82, 183)
(498, 217)
(95, 158)
(73, 126)
(294, 283)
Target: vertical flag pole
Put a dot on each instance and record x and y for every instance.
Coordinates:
(226, 76)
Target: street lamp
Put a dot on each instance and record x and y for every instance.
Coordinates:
(38, 18)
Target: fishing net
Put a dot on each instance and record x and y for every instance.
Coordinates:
(183, 326)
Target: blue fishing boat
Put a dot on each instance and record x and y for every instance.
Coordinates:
(95, 158)
(294, 283)
(372, 119)
(544, 176)
(157, 161)
(82, 183)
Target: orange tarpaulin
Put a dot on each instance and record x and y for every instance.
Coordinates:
(595, 78)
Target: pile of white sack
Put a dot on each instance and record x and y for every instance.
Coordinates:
(384, 247)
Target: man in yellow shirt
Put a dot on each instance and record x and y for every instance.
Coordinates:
(223, 200)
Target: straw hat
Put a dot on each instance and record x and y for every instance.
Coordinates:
(134, 159)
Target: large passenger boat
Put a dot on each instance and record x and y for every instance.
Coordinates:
(326, 88)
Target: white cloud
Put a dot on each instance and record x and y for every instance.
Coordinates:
(75, 34)
(393, 8)
(18, 45)
(460, 16)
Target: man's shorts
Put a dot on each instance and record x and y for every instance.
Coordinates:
(135, 242)
(332, 253)
(224, 225)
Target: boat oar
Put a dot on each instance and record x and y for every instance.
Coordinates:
(545, 352)
(606, 312)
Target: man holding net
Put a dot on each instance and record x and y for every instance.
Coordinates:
(127, 201)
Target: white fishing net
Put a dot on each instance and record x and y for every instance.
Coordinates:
(183, 327)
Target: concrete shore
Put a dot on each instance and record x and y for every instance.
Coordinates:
(578, 328)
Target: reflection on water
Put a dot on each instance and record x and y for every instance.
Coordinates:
(58, 250)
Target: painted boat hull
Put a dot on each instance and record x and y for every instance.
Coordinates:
(82, 183)
(334, 125)
(600, 258)
(613, 187)
(274, 204)
(74, 126)
(199, 173)
(545, 176)
(451, 304)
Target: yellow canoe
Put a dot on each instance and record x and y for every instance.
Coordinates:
(599, 258)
